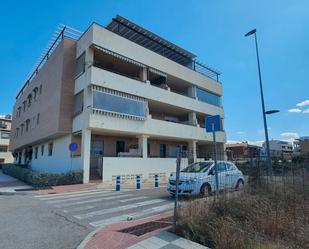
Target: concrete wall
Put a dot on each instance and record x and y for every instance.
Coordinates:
(115, 166)
(60, 161)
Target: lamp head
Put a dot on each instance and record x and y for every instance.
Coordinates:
(253, 31)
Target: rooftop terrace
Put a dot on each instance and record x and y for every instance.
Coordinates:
(134, 33)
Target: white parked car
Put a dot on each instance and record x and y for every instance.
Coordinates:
(199, 178)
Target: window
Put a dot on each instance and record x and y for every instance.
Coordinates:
(22, 129)
(162, 150)
(36, 150)
(17, 132)
(118, 104)
(80, 65)
(208, 97)
(35, 93)
(18, 111)
(221, 167)
(42, 149)
(29, 100)
(24, 105)
(38, 119)
(120, 147)
(40, 89)
(27, 125)
(5, 135)
(50, 149)
(3, 148)
(78, 103)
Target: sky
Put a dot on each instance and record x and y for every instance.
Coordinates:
(213, 30)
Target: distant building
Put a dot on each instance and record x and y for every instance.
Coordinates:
(301, 145)
(5, 131)
(242, 150)
(280, 149)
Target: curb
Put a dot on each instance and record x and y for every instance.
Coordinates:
(88, 238)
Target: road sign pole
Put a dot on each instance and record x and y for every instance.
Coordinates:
(215, 157)
(176, 188)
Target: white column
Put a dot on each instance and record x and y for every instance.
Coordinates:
(192, 118)
(85, 154)
(142, 145)
(143, 74)
(192, 92)
(192, 150)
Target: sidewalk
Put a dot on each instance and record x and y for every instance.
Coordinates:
(9, 184)
(127, 235)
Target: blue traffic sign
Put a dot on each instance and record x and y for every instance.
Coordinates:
(73, 147)
(213, 123)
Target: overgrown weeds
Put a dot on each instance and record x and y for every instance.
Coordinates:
(272, 217)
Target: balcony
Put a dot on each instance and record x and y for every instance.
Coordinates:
(112, 124)
(111, 80)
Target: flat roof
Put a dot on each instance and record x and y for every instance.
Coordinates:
(149, 40)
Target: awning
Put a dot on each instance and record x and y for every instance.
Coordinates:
(157, 72)
(107, 51)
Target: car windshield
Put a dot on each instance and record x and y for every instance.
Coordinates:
(197, 167)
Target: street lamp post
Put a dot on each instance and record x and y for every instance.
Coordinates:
(270, 170)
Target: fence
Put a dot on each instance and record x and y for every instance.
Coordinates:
(246, 207)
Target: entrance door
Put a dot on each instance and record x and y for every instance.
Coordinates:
(120, 147)
(96, 159)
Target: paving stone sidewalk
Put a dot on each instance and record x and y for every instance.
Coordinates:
(9, 184)
(167, 240)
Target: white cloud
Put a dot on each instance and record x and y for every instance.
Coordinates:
(306, 111)
(303, 103)
(289, 136)
(295, 110)
(240, 132)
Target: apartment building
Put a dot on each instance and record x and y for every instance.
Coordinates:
(280, 149)
(242, 150)
(5, 132)
(301, 145)
(127, 97)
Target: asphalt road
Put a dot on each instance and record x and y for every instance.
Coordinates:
(63, 220)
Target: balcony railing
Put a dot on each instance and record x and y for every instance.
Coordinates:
(63, 31)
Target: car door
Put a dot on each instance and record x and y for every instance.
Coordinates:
(230, 175)
(222, 175)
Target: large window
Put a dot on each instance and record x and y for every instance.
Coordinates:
(3, 148)
(118, 104)
(5, 135)
(78, 103)
(80, 65)
(208, 97)
(50, 149)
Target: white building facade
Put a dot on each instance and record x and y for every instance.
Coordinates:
(5, 133)
(135, 100)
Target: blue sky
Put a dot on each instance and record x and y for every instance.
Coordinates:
(214, 30)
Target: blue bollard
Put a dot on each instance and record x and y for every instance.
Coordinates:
(138, 182)
(156, 181)
(118, 183)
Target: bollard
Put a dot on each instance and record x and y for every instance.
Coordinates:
(118, 183)
(156, 181)
(138, 182)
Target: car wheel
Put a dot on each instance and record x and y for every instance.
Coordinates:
(240, 185)
(205, 190)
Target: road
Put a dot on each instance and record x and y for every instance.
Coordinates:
(63, 220)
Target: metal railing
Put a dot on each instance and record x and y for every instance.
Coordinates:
(205, 70)
(63, 31)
